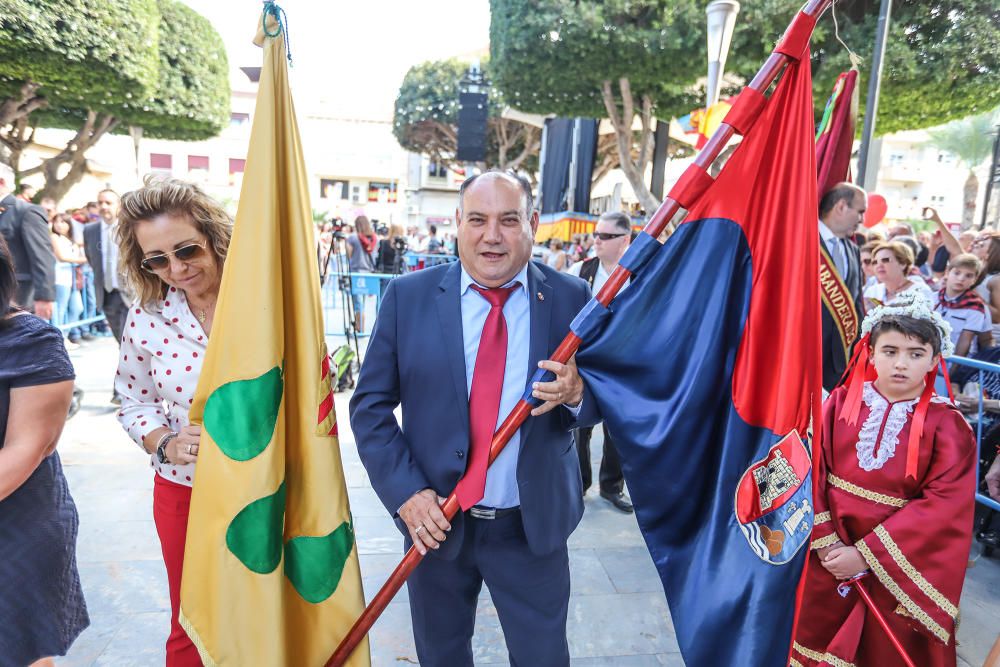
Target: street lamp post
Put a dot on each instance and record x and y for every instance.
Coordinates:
(721, 22)
(720, 25)
(868, 174)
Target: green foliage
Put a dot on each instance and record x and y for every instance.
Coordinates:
(969, 139)
(191, 100)
(152, 63)
(551, 56)
(429, 92)
(84, 54)
(425, 116)
(942, 58)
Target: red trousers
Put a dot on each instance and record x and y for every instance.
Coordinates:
(171, 504)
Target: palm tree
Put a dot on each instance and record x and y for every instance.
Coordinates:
(970, 140)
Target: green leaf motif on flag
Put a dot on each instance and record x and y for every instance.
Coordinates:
(240, 415)
(314, 565)
(255, 534)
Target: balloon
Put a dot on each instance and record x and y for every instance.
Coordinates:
(877, 208)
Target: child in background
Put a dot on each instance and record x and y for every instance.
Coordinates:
(894, 500)
(962, 307)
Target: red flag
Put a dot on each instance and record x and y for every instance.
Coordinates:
(835, 135)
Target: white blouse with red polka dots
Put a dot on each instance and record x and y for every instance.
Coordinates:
(161, 355)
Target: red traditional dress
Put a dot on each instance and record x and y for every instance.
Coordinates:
(914, 534)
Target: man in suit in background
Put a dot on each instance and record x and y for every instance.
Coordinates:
(841, 210)
(456, 346)
(26, 230)
(612, 236)
(101, 247)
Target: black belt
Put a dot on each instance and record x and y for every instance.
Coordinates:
(491, 513)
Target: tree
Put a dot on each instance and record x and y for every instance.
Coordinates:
(942, 57)
(617, 59)
(425, 119)
(971, 141)
(101, 68)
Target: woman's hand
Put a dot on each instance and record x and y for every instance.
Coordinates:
(184, 448)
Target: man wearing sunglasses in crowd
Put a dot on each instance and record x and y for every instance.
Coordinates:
(841, 211)
(612, 235)
(101, 248)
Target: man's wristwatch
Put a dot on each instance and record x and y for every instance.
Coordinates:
(161, 447)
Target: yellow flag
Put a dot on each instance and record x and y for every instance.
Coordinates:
(271, 573)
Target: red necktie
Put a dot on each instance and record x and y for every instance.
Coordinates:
(484, 399)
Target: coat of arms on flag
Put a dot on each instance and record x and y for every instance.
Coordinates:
(773, 501)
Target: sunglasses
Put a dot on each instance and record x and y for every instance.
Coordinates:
(607, 236)
(867, 261)
(185, 253)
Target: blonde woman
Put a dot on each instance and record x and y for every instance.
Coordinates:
(173, 241)
(893, 261)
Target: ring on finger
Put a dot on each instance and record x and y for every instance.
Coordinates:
(189, 449)
(419, 528)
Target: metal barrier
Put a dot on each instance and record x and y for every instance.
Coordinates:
(980, 366)
(416, 261)
(366, 285)
(362, 284)
(80, 323)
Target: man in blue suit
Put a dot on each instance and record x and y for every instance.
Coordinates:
(425, 355)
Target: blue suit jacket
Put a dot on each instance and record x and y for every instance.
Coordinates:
(415, 359)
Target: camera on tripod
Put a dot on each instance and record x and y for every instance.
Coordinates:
(337, 227)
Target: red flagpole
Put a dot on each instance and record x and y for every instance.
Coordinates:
(855, 582)
(657, 223)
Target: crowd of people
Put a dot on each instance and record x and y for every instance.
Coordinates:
(56, 252)
(922, 297)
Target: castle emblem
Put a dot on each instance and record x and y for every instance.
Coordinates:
(773, 503)
(774, 479)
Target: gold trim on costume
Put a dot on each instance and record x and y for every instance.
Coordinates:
(792, 662)
(915, 610)
(867, 494)
(904, 564)
(822, 517)
(822, 542)
(821, 657)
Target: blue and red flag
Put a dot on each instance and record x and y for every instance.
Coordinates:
(707, 372)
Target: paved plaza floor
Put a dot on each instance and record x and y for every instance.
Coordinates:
(617, 615)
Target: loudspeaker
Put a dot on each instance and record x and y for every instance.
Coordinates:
(472, 113)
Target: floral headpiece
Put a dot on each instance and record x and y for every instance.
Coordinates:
(860, 369)
(917, 307)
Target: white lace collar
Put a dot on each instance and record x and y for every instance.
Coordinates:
(899, 413)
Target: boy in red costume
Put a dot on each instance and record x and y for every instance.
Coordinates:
(896, 482)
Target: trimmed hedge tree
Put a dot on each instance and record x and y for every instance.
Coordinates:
(425, 118)
(614, 59)
(76, 53)
(183, 92)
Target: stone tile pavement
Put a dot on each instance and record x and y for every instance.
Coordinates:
(617, 617)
